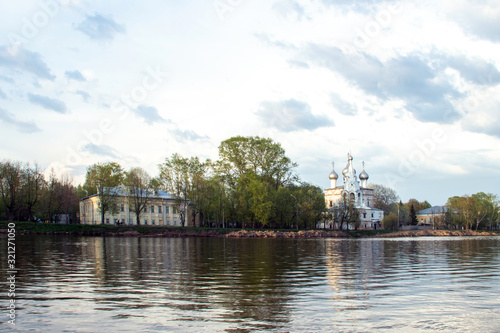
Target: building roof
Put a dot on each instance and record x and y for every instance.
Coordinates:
(433, 210)
(122, 191)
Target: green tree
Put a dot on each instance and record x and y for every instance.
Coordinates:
(390, 221)
(186, 179)
(259, 205)
(263, 157)
(413, 216)
(102, 179)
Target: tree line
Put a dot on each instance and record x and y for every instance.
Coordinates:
(477, 211)
(251, 184)
(27, 195)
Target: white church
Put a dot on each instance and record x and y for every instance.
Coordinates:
(357, 190)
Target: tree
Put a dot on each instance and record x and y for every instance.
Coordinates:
(140, 189)
(102, 179)
(259, 205)
(479, 210)
(33, 183)
(10, 187)
(417, 205)
(185, 179)
(385, 198)
(413, 216)
(345, 212)
(390, 221)
(263, 157)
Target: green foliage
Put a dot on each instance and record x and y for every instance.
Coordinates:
(390, 222)
(101, 179)
(413, 216)
(479, 211)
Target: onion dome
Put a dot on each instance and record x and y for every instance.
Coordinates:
(333, 174)
(363, 175)
(346, 170)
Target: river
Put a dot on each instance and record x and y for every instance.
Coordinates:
(114, 284)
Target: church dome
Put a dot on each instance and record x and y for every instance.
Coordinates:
(346, 169)
(363, 175)
(333, 174)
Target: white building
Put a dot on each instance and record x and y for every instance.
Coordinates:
(161, 210)
(356, 189)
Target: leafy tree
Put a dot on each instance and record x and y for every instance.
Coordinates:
(263, 157)
(102, 179)
(390, 221)
(417, 205)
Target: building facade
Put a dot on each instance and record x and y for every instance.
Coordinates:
(161, 209)
(357, 191)
(432, 217)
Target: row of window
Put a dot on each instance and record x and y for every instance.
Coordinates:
(131, 221)
(152, 209)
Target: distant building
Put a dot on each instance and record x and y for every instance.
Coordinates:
(358, 191)
(162, 209)
(432, 217)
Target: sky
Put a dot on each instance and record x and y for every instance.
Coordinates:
(409, 88)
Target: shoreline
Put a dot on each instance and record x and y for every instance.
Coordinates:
(30, 228)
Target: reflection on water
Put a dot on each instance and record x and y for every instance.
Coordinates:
(89, 284)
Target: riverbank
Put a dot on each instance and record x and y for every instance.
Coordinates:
(26, 228)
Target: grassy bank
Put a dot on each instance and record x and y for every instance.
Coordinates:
(25, 228)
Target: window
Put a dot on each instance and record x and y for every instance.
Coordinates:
(331, 204)
(130, 221)
(364, 215)
(159, 209)
(145, 221)
(107, 221)
(152, 209)
(372, 214)
(122, 208)
(153, 222)
(166, 210)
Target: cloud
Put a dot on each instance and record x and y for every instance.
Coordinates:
(149, 114)
(2, 94)
(75, 75)
(342, 105)
(30, 62)
(485, 118)
(48, 103)
(187, 135)
(101, 150)
(288, 8)
(291, 115)
(415, 79)
(99, 27)
(84, 95)
(6, 79)
(481, 19)
(21, 126)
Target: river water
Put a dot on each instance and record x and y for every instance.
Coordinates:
(99, 284)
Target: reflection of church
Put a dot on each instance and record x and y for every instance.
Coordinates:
(357, 191)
